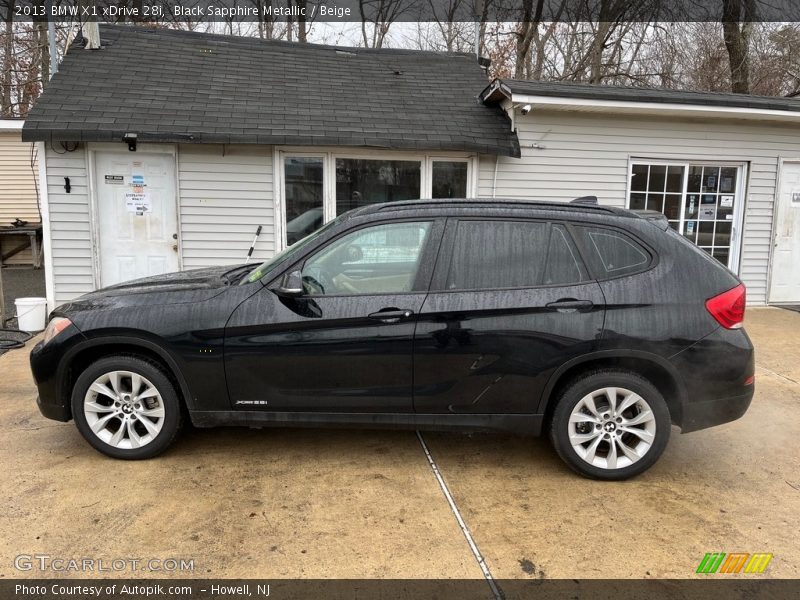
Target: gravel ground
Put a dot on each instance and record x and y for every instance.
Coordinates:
(19, 282)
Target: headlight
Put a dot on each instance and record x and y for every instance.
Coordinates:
(54, 327)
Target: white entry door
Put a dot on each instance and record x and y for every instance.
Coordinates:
(785, 285)
(136, 215)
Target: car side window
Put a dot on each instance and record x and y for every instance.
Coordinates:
(496, 254)
(611, 253)
(563, 265)
(382, 259)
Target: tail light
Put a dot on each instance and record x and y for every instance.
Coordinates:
(728, 307)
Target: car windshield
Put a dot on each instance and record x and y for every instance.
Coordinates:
(287, 253)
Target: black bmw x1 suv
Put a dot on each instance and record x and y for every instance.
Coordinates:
(600, 326)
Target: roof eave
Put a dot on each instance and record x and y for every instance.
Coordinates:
(566, 103)
(42, 133)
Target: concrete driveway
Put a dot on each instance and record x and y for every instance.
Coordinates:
(367, 504)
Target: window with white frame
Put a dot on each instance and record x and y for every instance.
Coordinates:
(316, 187)
(702, 201)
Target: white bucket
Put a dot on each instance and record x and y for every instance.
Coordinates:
(31, 313)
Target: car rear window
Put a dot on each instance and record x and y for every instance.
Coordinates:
(611, 253)
(512, 254)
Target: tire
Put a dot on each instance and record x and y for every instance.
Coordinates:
(585, 426)
(103, 404)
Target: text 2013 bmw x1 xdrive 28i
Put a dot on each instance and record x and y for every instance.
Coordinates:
(598, 325)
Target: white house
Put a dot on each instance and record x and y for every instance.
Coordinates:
(166, 150)
(18, 197)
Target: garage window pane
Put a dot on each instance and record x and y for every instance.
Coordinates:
(639, 178)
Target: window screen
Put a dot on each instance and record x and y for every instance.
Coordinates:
(612, 253)
(510, 254)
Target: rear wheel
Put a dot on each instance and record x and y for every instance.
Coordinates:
(126, 407)
(610, 425)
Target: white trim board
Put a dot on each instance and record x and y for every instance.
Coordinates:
(47, 240)
(655, 108)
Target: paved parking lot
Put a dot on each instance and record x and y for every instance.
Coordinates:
(351, 504)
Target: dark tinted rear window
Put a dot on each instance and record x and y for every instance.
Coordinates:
(563, 267)
(510, 254)
(611, 253)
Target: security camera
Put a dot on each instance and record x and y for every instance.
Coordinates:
(525, 109)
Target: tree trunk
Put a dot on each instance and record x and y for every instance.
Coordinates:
(598, 47)
(302, 25)
(527, 29)
(43, 45)
(8, 58)
(737, 18)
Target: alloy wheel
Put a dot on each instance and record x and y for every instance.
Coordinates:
(612, 428)
(124, 409)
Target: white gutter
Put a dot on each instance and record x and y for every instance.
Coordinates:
(730, 112)
(11, 124)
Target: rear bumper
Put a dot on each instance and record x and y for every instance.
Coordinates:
(718, 375)
(708, 413)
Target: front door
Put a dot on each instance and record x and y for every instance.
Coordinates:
(510, 303)
(785, 286)
(136, 215)
(344, 345)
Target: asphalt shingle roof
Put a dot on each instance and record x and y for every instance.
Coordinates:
(586, 91)
(175, 86)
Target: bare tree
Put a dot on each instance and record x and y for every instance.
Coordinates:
(737, 17)
(8, 58)
(377, 17)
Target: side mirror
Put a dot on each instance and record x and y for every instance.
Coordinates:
(291, 285)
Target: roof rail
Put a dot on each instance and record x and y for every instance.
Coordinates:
(465, 202)
(584, 200)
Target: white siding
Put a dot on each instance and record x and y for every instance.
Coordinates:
(225, 194)
(70, 227)
(17, 191)
(587, 154)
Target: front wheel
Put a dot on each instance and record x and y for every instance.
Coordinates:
(610, 425)
(126, 407)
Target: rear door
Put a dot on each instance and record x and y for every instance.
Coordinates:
(511, 301)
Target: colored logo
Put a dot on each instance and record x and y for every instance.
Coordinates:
(735, 562)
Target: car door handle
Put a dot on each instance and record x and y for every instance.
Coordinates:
(568, 305)
(391, 315)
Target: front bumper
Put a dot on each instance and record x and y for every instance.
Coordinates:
(47, 367)
(57, 412)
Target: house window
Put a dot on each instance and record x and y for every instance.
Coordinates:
(702, 201)
(449, 179)
(315, 186)
(303, 193)
(360, 182)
